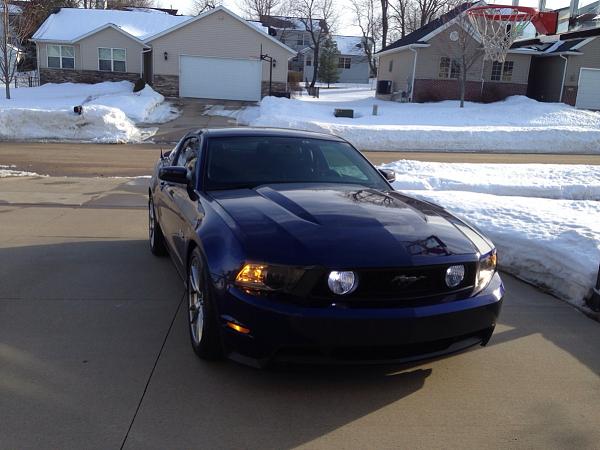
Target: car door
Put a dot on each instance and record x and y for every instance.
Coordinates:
(184, 202)
(169, 213)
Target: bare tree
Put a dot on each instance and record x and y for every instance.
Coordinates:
(15, 29)
(201, 6)
(318, 18)
(256, 9)
(430, 9)
(410, 15)
(461, 46)
(105, 4)
(368, 19)
(401, 15)
(385, 21)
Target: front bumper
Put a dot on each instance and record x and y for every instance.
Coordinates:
(283, 331)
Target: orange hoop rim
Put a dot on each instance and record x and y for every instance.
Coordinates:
(523, 12)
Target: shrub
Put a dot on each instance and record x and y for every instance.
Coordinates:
(139, 85)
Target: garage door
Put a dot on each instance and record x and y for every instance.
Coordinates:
(219, 78)
(588, 91)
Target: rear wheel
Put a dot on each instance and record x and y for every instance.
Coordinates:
(155, 235)
(202, 318)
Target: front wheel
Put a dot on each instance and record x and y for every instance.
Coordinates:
(155, 235)
(203, 324)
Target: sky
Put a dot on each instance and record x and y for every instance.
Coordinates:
(345, 25)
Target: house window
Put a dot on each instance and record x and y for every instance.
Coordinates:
(112, 59)
(502, 71)
(61, 57)
(454, 69)
(344, 63)
(308, 62)
(391, 65)
(507, 71)
(449, 68)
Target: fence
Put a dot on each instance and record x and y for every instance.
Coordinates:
(26, 79)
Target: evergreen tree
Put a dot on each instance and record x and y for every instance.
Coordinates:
(328, 62)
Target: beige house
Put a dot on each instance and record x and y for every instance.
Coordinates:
(213, 55)
(424, 66)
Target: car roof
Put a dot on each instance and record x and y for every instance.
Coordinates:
(274, 132)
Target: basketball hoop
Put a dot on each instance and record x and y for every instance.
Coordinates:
(500, 25)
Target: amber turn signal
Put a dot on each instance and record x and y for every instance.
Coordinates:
(238, 328)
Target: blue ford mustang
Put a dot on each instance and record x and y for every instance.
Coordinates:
(294, 247)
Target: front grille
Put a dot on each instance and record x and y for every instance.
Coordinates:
(398, 286)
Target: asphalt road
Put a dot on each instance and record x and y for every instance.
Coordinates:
(94, 353)
(84, 160)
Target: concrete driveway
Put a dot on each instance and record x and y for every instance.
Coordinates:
(94, 353)
(194, 116)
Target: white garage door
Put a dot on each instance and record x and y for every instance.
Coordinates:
(219, 78)
(588, 91)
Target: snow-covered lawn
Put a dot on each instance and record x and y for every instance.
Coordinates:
(544, 219)
(558, 181)
(517, 124)
(111, 112)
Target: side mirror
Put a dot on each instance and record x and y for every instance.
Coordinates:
(388, 174)
(173, 174)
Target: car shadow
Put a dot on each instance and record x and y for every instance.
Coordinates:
(230, 405)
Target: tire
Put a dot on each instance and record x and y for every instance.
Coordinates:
(155, 235)
(202, 317)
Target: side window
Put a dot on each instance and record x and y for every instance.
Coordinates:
(188, 156)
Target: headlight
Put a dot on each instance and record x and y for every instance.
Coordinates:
(486, 270)
(342, 283)
(264, 277)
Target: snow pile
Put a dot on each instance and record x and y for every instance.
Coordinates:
(97, 124)
(518, 124)
(575, 182)
(145, 106)
(548, 234)
(11, 171)
(110, 112)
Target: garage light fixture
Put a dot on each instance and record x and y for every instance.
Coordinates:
(166, 54)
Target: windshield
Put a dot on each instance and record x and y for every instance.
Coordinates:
(247, 162)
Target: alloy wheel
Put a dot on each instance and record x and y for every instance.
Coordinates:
(196, 301)
(151, 221)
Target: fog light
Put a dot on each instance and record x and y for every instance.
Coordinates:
(342, 283)
(455, 275)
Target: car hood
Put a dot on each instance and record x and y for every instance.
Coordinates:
(343, 226)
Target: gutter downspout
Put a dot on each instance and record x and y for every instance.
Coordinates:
(37, 62)
(562, 85)
(412, 87)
